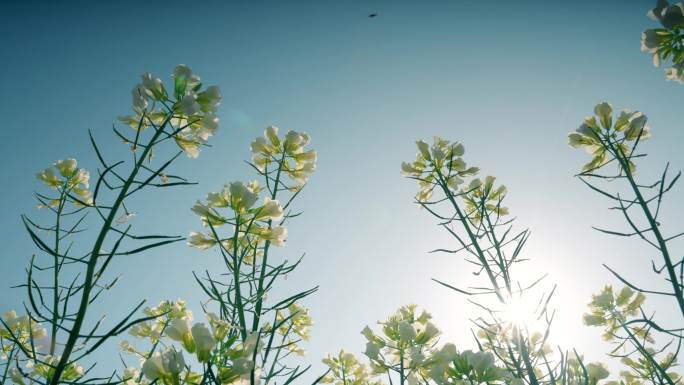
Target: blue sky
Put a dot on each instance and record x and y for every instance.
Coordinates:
(508, 79)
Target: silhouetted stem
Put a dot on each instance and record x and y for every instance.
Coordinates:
(662, 244)
(92, 263)
(473, 239)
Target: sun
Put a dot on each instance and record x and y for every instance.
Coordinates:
(522, 311)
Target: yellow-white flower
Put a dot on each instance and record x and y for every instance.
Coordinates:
(241, 198)
(209, 99)
(406, 331)
(154, 86)
(201, 241)
(165, 365)
(179, 330)
(219, 327)
(277, 235)
(49, 178)
(66, 167)
(271, 210)
(208, 215)
(189, 105)
(139, 96)
(604, 112)
(204, 341)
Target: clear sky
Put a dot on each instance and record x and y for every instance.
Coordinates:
(509, 79)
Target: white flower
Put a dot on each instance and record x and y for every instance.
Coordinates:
(182, 70)
(637, 127)
(200, 241)
(260, 146)
(208, 126)
(271, 210)
(424, 149)
(208, 215)
(153, 367)
(189, 105)
(173, 361)
(49, 177)
(596, 371)
(294, 141)
(650, 40)
(372, 350)
(676, 73)
(243, 365)
(430, 331)
(66, 167)
(219, 327)
(179, 330)
(154, 86)
(209, 99)
(670, 16)
(139, 95)
(241, 198)
(218, 199)
(480, 361)
(277, 235)
(406, 331)
(163, 365)
(204, 341)
(82, 177)
(271, 134)
(604, 111)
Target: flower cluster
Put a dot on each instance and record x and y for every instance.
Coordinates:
(590, 374)
(298, 321)
(448, 366)
(643, 370)
(345, 369)
(242, 365)
(600, 136)
(190, 111)
(72, 183)
(164, 367)
(163, 315)
(252, 223)
(611, 310)
(173, 321)
(438, 164)
(19, 330)
(407, 337)
(195, 338)
(483, 198)
(615, 312)
(45, 369)
(666, 42)
(273, 154)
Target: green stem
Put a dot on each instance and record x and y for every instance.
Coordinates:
(662, 244)
(473, 239)
(262, 273)
(236, 278)
(642, 349)
(55, 294)
(75, 331)
(499, 253)
(9, 361)
(402, 378)
(526, 358)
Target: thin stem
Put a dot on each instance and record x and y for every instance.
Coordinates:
(473, 239)
(662, 244)
(56, 262)
(264, 262)
(92, 262)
